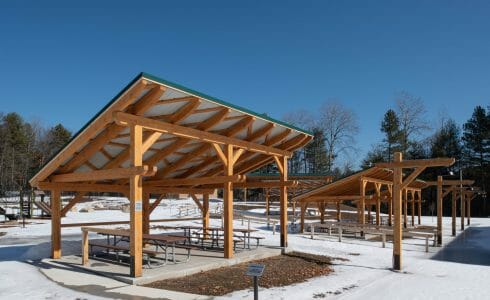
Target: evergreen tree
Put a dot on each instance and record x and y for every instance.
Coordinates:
(57, 137)
(316, 153)
(446, 141)
(476, 138)
(390, 126)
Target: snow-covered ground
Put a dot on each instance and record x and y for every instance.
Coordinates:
(366, 274)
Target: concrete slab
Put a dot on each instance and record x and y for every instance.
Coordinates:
(200, 261)
(65, 274)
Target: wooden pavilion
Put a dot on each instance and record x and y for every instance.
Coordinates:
(158, 137)
(386, 181)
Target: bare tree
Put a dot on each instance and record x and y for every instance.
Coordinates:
(340, 126)
(411, 113)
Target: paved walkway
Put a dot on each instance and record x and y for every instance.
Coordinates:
(470, 247)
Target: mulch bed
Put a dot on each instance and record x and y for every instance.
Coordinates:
(279, 270)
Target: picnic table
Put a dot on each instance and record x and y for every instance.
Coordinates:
(160, 241)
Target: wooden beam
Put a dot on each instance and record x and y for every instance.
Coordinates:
(191, 133)
(283, 210)
(136, 206)
(362, 205)
(205, 212)
(439, 210)
(201, 207)
(55, 224)
(108, 174)
(156, 202)
(219, 152)
(195, 181)
(397, 201)
(408, 180)
(73, 202)
(122, 103)
(378, 202)
(232, 131)
(433, 162)
(111, 132)
(146, 213)
(84, 187)
(446, 182)
(228, 203)
(376, 180)
(335, 198)
(453, 212)
(185, 111)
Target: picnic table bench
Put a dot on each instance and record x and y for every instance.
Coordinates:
(161, 243)
(380, 230)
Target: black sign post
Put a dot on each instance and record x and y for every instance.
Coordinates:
(256, 271)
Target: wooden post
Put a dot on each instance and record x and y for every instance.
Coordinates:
(405, 207)
(362, 206)
(205, 213)
(302, 222)
(462, 197)
(369, 207)
(136, 206)
(321, 208)
(339, 216)
(390, 205)
(228, 203)
(419, 206)
(84, 247)
(468, 210)
(412, 209)
(284, 201)
(378, 202)
(267, 204)
(146, 213)
(397, 201)
(55, 224)
(439, 210)
(453, 212)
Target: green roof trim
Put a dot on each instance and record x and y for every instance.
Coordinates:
(222, 102)
(173, 85)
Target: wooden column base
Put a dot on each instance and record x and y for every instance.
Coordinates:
(397, 262)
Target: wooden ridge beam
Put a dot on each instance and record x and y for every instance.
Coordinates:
(195, 181)
(127, 119)
(108, 174)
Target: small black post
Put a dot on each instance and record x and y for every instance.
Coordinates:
(256, 288)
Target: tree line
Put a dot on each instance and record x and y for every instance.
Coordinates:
(24, 148)
(405, 129)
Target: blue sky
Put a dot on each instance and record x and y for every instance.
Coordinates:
(61, 62)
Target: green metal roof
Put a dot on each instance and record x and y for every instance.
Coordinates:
(177, 87)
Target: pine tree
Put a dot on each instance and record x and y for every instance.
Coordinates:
(476, 138)
(57, 137)
(391, 128)
(446, 142)
(316, 153)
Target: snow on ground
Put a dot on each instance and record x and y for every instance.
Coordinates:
(366, 274)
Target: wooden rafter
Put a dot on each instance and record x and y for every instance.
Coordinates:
(71, 149)
(112, 131)
(190, 133)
